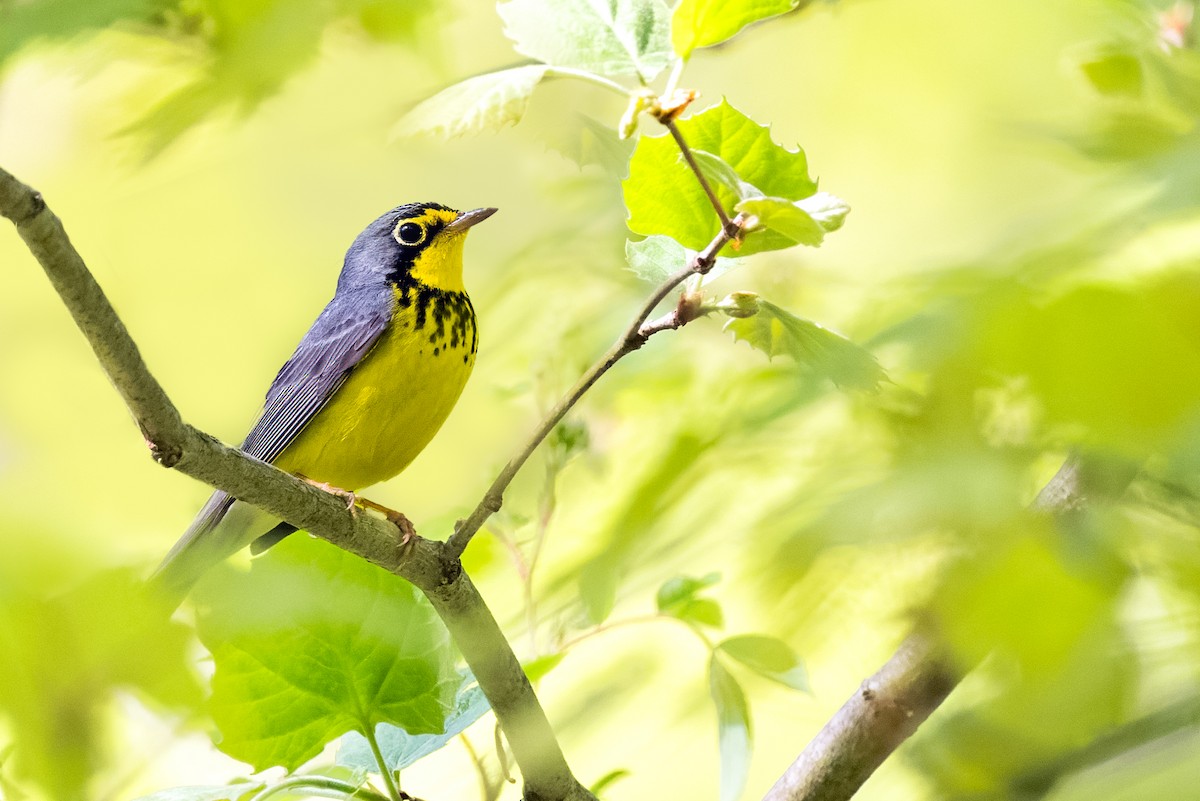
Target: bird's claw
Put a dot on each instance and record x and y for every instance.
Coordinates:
(351, 499)
(407, 529)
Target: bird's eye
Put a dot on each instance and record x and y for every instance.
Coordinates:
(409, 233)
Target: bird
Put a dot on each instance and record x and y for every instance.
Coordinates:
(366, 389)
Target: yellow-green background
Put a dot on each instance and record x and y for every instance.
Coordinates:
(943, 124)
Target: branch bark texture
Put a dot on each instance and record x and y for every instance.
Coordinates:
(430, 565)
(885, 712)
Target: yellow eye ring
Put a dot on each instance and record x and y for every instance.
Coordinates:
(409, 234)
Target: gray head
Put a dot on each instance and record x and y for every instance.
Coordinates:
(416, 242)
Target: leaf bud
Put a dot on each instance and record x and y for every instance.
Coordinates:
(739, 304)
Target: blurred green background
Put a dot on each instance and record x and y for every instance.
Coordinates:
(1021, 258)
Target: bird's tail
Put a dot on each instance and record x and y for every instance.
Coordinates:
(222, 528)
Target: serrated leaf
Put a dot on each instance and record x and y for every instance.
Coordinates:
(817, 349)
(655, 258)
(681, 589)
(613, 37)
(656, 172)
(207, 792)
(701, 23)
(314, 642)
(486, 102)
(715, 170)
(401, 749)
(733, 729)
(769, 657)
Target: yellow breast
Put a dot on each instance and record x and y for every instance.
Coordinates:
(396, 399)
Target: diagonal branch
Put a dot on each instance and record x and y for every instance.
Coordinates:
(884, 712)
(431, 566)
(890, 705)
(635, 335)
(690, 158)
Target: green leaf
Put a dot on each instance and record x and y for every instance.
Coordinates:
(715, 170)
(249, 50)
(678, 598)
(701, 23)
(682, 589)
(537, 668)
(733, 729)
(314, 642)
(704, 611)
(69, 656)
(614, 37)
(769, 657)
(656, 257)
(484, 103)
(1026, 598)
(656, 172)
(1119, 361)
(585, 140)
(607, 780)
(598, 589)
(828, 210)
(60, 19)
(568, 439)
(805, 222)
(1113, 70)
(401, 749)
(818, 350)
(784, 217)
(206, 792)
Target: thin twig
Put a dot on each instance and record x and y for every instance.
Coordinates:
(634, 336)
(485, 784)
(428, 565)
(726, 223)
(389, 781)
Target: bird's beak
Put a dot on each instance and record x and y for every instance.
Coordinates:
(468, 218)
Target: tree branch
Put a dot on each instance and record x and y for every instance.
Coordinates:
(726, 223)
(885, 711)
(431, 566)
(890, 705)
(634, 336)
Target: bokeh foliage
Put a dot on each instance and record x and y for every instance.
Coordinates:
(1021, 260)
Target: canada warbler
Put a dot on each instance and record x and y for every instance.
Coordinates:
(369, 384)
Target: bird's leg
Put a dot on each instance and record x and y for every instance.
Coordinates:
(397, 519)
(351, 499)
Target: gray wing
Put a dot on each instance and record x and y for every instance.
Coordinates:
(342, 335)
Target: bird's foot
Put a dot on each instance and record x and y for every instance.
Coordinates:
(407, 530)
(355, 502)
(397, 519)
(352, 500)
